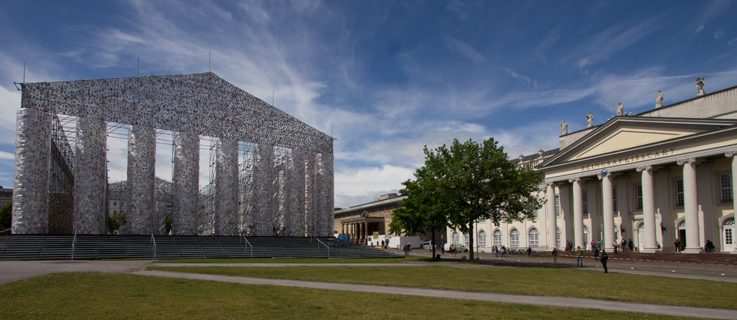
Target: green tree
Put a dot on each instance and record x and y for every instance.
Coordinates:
(6, 212)
(470, 182)
(418, 212)
(115, 221)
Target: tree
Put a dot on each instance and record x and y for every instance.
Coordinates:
(115, 221)
(6, 212)
(470, 182)
(418, 212)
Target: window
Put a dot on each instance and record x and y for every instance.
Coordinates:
(638, 197)
(497, 238)
(585, 202)
(514, 238)
(482, 239)
(557, 205)
(616, 234)
(533, 237)
(465, 239)
(585, 236)
(679, 193)
(725, 182)
(455, 238)
(557, 237)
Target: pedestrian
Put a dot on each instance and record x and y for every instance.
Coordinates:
(624, 245)
(630, 245)
(603, 259)
(555, 256)
(529, 252)
(579, 257)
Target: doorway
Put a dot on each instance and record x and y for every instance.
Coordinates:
(682, 235)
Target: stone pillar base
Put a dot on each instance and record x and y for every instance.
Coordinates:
(649, 250)
(693, 250)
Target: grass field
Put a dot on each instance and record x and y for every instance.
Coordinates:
(115, 296)
(523, 281)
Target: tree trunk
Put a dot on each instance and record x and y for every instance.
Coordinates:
(470, 241)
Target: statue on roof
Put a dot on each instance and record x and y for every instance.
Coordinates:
(659, 99)
(700, 86)
(589, 120)
(620, 109)
(563, 127)
(540, 153)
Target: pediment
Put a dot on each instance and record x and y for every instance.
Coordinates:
(627, 138)
(626, 133)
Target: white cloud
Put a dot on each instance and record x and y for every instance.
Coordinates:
(5, 156)
(369, 180)
(9, 106)
(699, 28)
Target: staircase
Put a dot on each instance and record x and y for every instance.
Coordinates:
(89, 247)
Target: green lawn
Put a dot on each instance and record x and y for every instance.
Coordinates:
(298, 260)
(523, 281)
(115, 296)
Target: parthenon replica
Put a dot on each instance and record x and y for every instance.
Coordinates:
(272, 172)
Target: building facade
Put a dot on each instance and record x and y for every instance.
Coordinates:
(270, 171)
(363, 221)
(658, 178)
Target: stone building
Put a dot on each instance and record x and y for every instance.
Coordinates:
(660, 176)
(270, 171)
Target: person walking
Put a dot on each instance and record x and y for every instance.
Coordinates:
(604, 258)
(579, 257)
(555, 256)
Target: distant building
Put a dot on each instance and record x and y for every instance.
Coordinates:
(117, 197)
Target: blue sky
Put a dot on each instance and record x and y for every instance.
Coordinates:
(387, 77)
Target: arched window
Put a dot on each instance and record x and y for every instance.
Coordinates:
(454, 238)
(465, 239)
(497, 238)
(640, 236)
(514, 238)
(533, 237)
(481, 241)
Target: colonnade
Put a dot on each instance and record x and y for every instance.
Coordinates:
(691, 202)
(357, 231)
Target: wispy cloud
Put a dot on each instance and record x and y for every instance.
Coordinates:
(464, 48)
(5, 156)
(613, 40)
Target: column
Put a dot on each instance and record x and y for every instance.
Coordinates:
(690, 205)
(550, 215)
(141, 180)
(30, 186)
(309, 216)
(226, 187)
(608, 207)
(733, 155)
(263, 179)
(185, 183)
(297, 193)
(577, 214)
(648, 210)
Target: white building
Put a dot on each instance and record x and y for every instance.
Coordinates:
(664, 174)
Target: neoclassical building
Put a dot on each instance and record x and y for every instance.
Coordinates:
(655, 177)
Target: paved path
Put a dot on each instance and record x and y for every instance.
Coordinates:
(11, 271)
(491, 297)
(268, 264)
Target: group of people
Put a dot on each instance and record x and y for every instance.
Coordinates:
(603, 257)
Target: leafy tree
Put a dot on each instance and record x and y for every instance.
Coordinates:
(6, 212)
(115, 221)
(418, 212)
(470, 182)
(167, 222)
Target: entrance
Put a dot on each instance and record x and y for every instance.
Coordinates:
(728, 231)
(682, 234)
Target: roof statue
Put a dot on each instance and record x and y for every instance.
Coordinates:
(620, 109)
(563, 127)
(589, 120)
(659, 99)
(700, 86)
